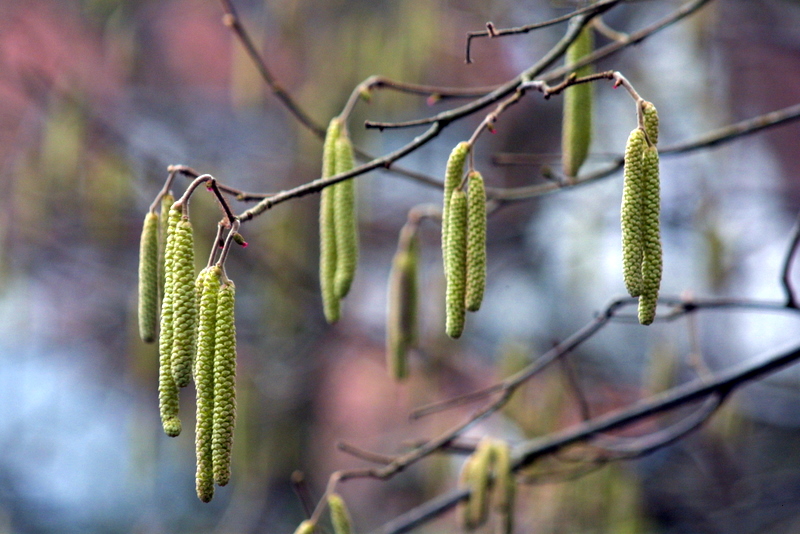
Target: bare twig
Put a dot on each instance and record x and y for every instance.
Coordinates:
(786, 271)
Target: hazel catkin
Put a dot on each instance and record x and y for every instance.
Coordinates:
(402, 302)
(167, 390)
(184, 303)
(456, 264)
(650, 114)
(476, 241)
(454, 172)
(504, 485)
(148, 278)
(345, 221)
(306, 527)
(166, 203)
(224, 384)
(576, 133)
(651, 246)
(327, 227)
(632, 213)
(340, 517)
(209, 280)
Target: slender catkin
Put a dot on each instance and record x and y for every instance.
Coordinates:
(632, 212)
(652, 254)
(456, 260)
(167, 390)
(650, 114)
(504, 485)
(401, 316)
(166, 203)
(452, 178)
(306, 527)
(476, 241)
(345, 220)
(576, 133)
(327, 231)
(224, 384)
(204, 381)
(148, 278)
(466, 480)
(184, 304)
(481, 468)
(340, 517)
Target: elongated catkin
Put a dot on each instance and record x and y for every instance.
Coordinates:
(148, 278)
(166, 203)
(652, 254)
(481, 469)
(452, 178)
(306, 527)
(576, 131)
(504, 485)
(204, 381)
(456, 264)
(327, 228)
(224, 384)
(340, 517)
(402, 302)
(650, 114)
(345, 220)
(632, 214)
(184, 304)
(167, 390)
(476, 242)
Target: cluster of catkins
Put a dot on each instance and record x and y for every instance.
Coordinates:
(340, 518)
(641, 235)
(197, 338)
(338, 228)
(488, 475)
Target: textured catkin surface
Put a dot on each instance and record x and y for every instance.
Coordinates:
(340, 516)
(650, 114)
(224, 384)
(632, 213)
(184, 304)
(452, 178)
(166, 203)
(456, 264)
(652, 253)
(476, 242)
(148, 278)
(327, 228)
(577, 119)
(167, 390)
(345, 219)
(401, 324)
(204, 381)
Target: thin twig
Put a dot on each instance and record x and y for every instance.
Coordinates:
(786, 271)
(363, 454)
(303, 494)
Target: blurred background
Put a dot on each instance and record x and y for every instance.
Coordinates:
(97, 97)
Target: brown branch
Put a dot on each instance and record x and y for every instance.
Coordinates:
(786, 271)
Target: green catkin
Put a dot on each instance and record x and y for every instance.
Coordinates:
(327, 231)
(345, 221)
(306, 527)
(504, 485)
(402, 301)
(166, 203)
(465, 479)
(576, 133)
(204, 381)
(481, 470)
(148, 278)
(224, 384)
(456, 260)
(652, 253)
(184, 304)
(167, 390)
(340, 517)
(632, 212)
(452, 178)
(476, 241)
(650, 114)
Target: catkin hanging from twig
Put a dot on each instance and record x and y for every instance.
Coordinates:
(632, 213)
(224, 384)
(345, 221)
(148, 278)
(401, 321)
(327, 227)
(576, 133)
(167, 390)
(452, 178)
(651, 246)
(184, 304)
(650, 114)
(456, 264)
(476, 242)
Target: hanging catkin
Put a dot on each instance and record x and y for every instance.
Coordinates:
(340, 517)
(651, 258)
(327, 227)
(167, 390)
(148, 278)
(452, 178)
(456, 260)
(345, 221)
(224, 384)
(184, 304)
(401, 316)
(576, 133)
(632, 212)
(204, 381)
(504, 486)
(650, 114)
(306, 527)
(475, 475)
(166, 203)
(476, 241)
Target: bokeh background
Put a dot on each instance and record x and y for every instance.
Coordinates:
(97, 97)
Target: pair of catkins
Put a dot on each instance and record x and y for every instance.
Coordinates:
(489, 476)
